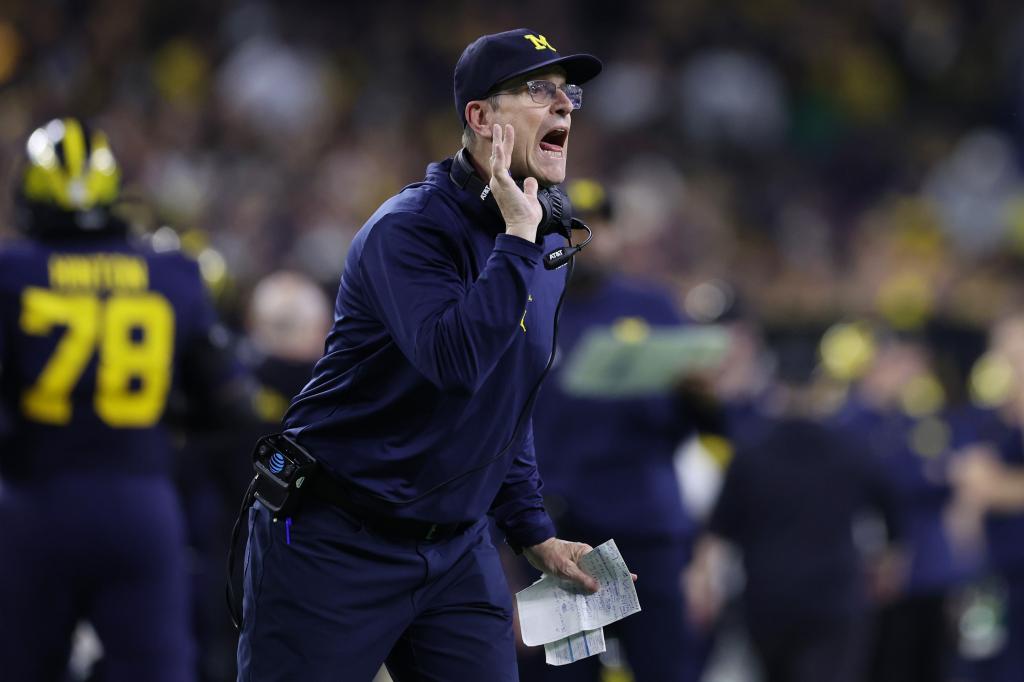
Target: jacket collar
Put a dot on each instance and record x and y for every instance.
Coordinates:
(482, 213)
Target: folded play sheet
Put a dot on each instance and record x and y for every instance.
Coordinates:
(553, 609)
(570, 649)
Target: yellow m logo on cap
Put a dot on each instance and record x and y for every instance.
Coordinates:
(539, 42)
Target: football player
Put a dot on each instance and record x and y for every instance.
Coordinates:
(95, 333)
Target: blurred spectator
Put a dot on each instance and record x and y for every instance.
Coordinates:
(733, 99)
(973, 188)
(288, 319)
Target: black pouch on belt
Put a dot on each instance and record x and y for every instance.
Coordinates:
(282, 467)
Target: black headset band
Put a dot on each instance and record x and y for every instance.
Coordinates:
(555, 204)
(463, 174)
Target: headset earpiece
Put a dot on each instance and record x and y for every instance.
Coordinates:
(554, 203)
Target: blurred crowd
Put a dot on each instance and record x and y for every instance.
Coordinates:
(861, 157)
(846, 174)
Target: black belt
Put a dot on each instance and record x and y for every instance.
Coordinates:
(328, 489)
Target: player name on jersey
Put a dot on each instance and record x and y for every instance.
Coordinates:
(98, 272)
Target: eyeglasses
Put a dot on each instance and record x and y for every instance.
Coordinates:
(545, 92)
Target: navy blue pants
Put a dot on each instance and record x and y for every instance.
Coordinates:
(108, 549)
(326, 599)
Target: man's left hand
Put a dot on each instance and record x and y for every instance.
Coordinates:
(561, 558)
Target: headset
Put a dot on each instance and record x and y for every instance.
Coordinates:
(556, 209)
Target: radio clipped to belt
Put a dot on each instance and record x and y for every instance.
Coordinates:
(282, 467)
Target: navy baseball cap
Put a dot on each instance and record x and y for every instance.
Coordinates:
(493, 59)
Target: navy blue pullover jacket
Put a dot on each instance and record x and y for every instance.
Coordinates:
(443, 331)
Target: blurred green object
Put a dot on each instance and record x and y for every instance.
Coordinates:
(982, 619)
(630, 359)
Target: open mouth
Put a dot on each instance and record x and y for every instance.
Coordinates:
(554, 141)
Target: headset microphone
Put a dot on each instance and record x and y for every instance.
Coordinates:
(559, 257)
(556, 209)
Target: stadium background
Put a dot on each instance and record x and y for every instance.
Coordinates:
(793, 164)
(815, 159)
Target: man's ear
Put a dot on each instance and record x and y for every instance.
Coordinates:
(478, 117)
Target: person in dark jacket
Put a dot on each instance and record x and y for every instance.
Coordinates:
(420, 411)
(792, 494)
(900, 406)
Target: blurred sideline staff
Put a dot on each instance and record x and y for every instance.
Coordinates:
(288, 319)
(988, 482)
(793, 491)
(97, 332)
(901, 405)
(608, 466)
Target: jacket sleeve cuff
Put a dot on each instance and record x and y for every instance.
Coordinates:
(529, 530)
(518, 246)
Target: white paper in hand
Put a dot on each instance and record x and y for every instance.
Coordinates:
(570, 649)
(552, 609)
